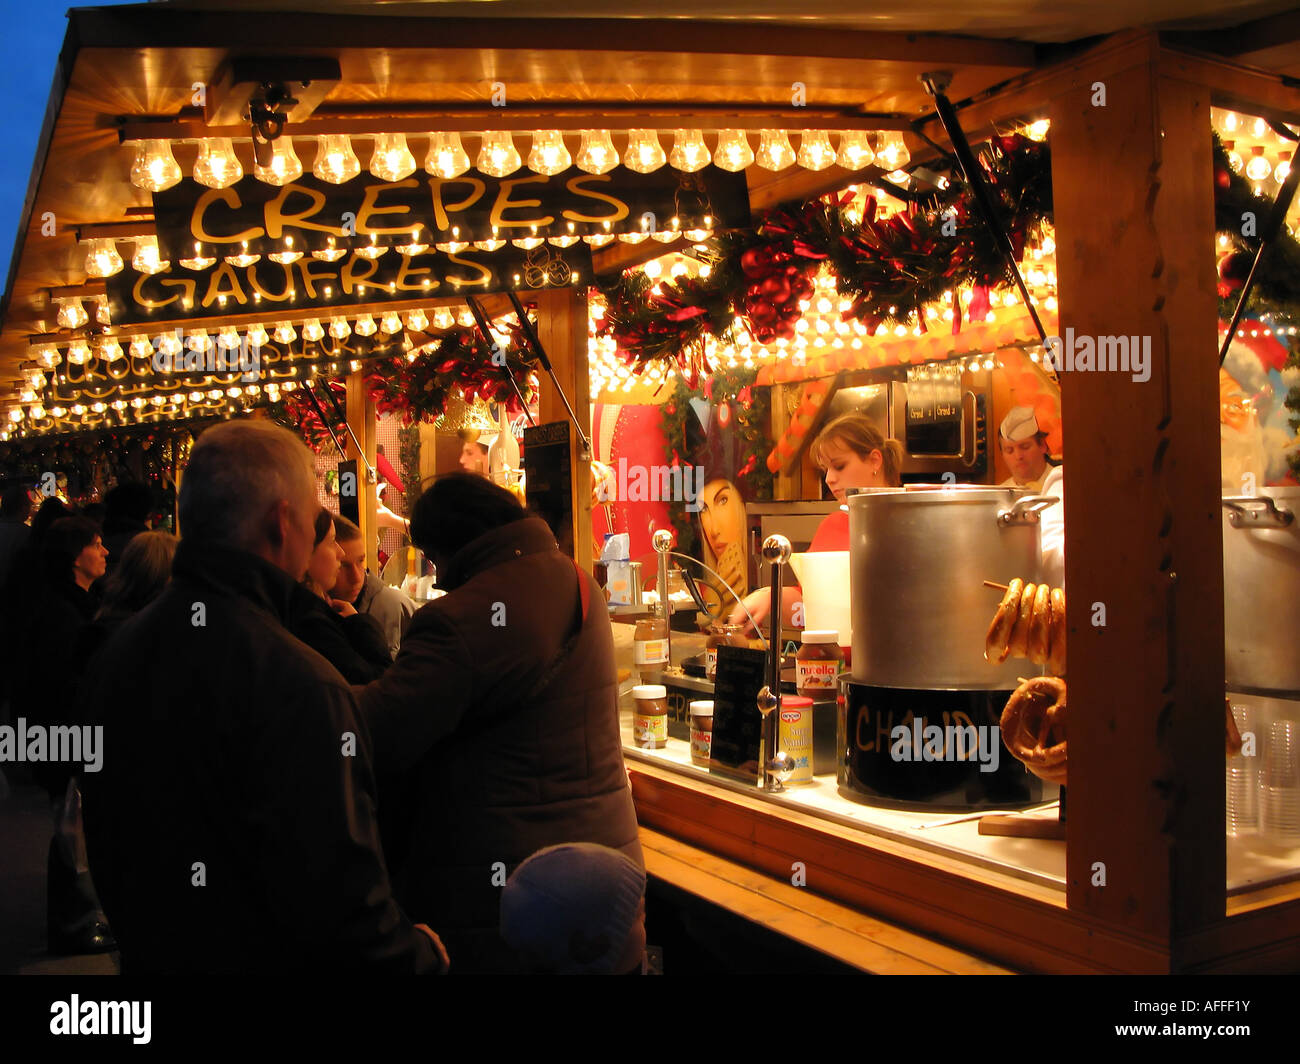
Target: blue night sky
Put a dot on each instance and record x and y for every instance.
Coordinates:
(29, 50)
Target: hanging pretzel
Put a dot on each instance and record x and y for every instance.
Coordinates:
(1033, 727)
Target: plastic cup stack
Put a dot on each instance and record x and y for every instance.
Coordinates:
(1279, 783)
(1243, 781)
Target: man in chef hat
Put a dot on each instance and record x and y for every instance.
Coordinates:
(1024, 447)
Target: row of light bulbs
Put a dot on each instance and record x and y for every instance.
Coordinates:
(155, 167)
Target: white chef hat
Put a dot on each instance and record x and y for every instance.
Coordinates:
(1020, 424)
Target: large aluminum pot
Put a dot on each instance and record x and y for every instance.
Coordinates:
(1261, 591)
(918, 560)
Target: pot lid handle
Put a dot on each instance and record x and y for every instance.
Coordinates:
(1025, 510)
(1256, 511)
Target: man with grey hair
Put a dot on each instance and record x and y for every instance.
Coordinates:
(232, 826)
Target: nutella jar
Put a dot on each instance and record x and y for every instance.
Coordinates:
(721, 635)
(817, 665)
(701, 733)
(650, 716)
(650, 643)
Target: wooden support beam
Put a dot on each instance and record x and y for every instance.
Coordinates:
(562, 329)
(1132, 185)
(361, 416)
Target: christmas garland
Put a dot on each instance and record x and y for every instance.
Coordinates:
(891, 268)
(419, 390)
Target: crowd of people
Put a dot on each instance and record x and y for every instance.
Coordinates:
(300, 762)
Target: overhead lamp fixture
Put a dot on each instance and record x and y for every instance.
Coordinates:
(392, 159)
(336, 162)
(78, 353)
(217, 166)
(689, 153)
(447, 158)
(815, 151)
(497, 155)
(330, 254)
(339, 328)
(285, 333)
(155, 168)
(391, 323)
(277, 163)
(596, 154)
(147, 258)
(733, 152)
(549, 155)
(312, 330)
(855, 151)
(366, 326)
(71, 315)
(644, 152)
(893, 153)
(774, 150)
(141, 347)
(102, 259)
(417, 320)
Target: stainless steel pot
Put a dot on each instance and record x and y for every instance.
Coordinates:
(1261, 591)
(917, 563)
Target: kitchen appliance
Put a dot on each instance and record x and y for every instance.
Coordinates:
(939, 412)
(918, 559)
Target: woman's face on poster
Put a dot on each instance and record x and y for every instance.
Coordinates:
(722, 515)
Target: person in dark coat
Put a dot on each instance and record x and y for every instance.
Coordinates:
(127, 510)
(231, 827)
(501, 713)
(350, 641)
(138, 579)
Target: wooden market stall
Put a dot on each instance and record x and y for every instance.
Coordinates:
(1140, 885)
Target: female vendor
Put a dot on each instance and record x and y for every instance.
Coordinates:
(853, 453)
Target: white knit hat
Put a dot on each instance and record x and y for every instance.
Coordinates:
(571, 908)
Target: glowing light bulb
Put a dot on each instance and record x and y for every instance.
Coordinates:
(366, 326)
(1234, 160)
(169, 345)
(893, 153)
(228, 337)
(285, 333)
(689, 153)
(285, 258)
(155, 168)
(1230, 122)
(392, 159)
(644, 152)
(596, 154)
(1038, 130)
(549, 155)
(329, 254)
(336, 162)
(815, 151)
(446, 157)
(1283, 166)
(1259, 168)
(47, 356)
(199, 341)
(733, 152)
(257, 335)
(217, 166)
(78, 353)
(339, 328)
(391, 323)
(417, 320)
(71, 315)
(243, 259)
(312, 329)
(497, 155)
(146, 258)
(141, 347)
(102, 259)
(855, 150)
(774, 151)
(284, 165)
(110, 350)
(102, 313)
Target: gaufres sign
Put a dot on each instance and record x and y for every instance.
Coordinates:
(283, 289)
(311, 215)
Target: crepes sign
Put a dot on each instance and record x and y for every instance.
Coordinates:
(278, 289)
(252, 217)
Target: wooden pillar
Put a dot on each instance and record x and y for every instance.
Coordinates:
(1132, 183)
(562, 328)
(361, 417)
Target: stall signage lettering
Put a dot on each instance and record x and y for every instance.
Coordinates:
(309, 214)
(272, 288)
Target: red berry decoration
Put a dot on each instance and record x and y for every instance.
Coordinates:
(1233, 268)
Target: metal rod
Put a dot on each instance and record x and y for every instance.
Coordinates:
(485, 332)
(324, 419)
(662, 541)
(970, 171)
(1272, 227)
(530, 334)
(776, 549)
